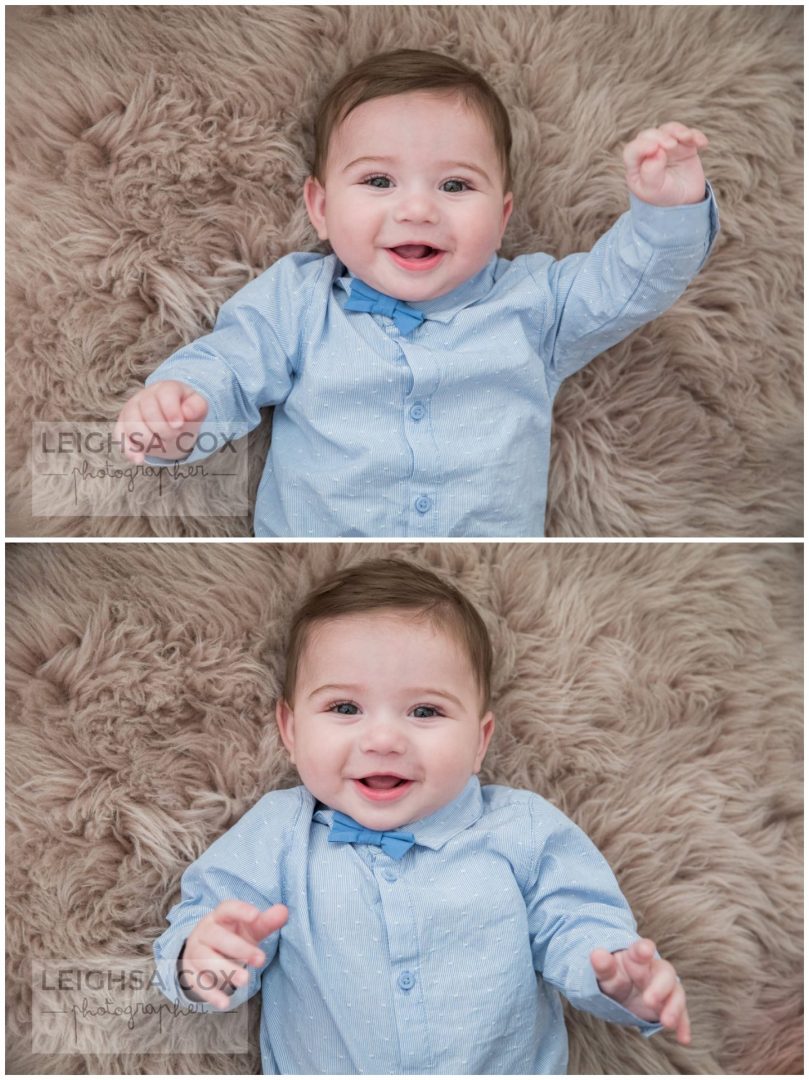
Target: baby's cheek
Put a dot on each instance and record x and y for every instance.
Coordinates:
(450, 766)
(316, 769)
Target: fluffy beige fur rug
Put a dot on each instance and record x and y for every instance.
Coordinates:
(156, 157)
(653, 692)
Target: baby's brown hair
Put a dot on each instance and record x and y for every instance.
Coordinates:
(395, 585)
(401, 72)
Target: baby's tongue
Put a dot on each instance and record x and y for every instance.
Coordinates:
(382, 782)
(412, 251)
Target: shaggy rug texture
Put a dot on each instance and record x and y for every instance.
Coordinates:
(652, 692)
(156, 158)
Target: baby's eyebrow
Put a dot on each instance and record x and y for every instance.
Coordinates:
(428, 693)
(463, 165)
(335, 688)
(412, 692)
(358, 161)
(383, 160)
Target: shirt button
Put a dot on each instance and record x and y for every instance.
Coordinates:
(423, 504)
(417, 411)
(407, 980)
(389, 875)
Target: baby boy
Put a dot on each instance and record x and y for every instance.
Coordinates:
(397, 916)
(413, 371)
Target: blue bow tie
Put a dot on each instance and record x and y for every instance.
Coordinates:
(365, 298)
(346, 830)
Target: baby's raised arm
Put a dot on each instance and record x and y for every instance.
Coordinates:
(641, 265)
(221, 946)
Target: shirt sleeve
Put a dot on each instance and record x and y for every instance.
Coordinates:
(248, 360)
(574, 905)
(245, 863)
(634, 273)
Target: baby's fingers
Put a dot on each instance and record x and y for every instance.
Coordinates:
(202, 984)
(194, 407)
(151, 406)
(651, 139)
(270, 920)
(208, 975)
(645, 146)
(685, 134)
(654, 148)
(684, 1029)
(638, 960)
(610, 976)
(131, 431)
(661, 984)
(169, 396)
(232, 946)
(674, 1015)
(232, 910)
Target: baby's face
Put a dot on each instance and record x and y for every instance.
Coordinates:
(412, 201)
(386, 723)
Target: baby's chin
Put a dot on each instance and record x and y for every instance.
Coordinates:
(400, 285)
(412, 292)
(390, 285)
(442, 281)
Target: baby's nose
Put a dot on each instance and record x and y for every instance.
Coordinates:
(417, 206)
(383, 738)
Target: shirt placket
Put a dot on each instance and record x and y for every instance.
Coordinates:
(406, 977)
(424, 511)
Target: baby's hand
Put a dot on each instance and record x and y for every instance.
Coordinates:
(663, 165)
(157, 417)
(220, 947)
(646, 986)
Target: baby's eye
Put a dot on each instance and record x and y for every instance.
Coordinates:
(381, 182)
(425, 712)
(344, 708)
(454, 187)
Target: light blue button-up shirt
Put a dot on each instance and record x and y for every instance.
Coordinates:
(448, 960)
(445, 432)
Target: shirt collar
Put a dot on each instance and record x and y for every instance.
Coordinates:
(437, 828)
(441, 308)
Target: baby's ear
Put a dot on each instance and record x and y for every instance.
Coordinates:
(314, 195)
(508, 206)
(285, 719)
(486, 732)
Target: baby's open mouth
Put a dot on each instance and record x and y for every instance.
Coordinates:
(415, 251)
(382, 783)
